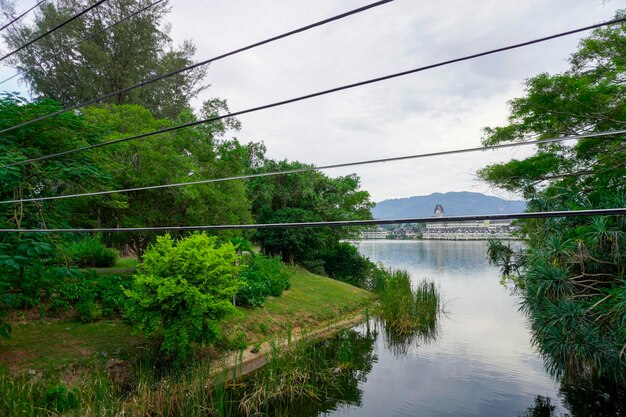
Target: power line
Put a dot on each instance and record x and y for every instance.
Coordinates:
(74, 45)
(323, 167)
(205, 62)
(304, 97)
(21, 16)
(341, 223)
(60, 25)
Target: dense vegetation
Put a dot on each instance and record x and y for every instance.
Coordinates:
(571, 274)
(43, 271)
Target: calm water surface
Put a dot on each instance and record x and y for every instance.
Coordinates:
(481, 364)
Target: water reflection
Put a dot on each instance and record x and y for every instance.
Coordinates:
(354, 347)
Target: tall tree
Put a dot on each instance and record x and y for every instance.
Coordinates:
(572, 272)
(182, 156)
(128, 53)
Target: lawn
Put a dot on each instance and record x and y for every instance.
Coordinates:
(311, 302)
(54, 344)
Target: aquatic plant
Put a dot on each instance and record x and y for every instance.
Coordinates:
(405, 310)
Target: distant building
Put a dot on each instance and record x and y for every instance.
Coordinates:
(377, 233)
(468, 230)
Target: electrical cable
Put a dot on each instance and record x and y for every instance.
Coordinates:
(60, 25)
(74, 45)
(6, 25)
(304, 97)
(323, 167)
(341, 223)
(205, 62)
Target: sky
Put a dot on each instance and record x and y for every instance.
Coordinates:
(440, 109)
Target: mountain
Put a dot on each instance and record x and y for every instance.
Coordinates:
(454, 204)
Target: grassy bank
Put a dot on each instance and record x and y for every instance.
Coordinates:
(49, 346)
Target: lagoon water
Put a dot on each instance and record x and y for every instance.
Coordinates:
(481, 364)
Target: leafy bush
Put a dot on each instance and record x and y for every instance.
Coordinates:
(344, 263)
(263, 276)
(314, 266)
(90, 252)
(185, 288)
(89, 292)
(25, 271)
(89, 311)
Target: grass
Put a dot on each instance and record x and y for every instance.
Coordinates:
(122, 266)
(49, 346)
(129, 262)
(311, 301)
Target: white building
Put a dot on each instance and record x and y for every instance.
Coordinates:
(377, 233)
(468, 230)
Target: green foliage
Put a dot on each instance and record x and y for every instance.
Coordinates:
(121, 56)
(94, 296)
(5, 328)
(89, 311)
(60, 399)
(28, 261)
(307, 197)
(185, 288)
(407, 312)
(90, 252)
(263, 276)
(345, 263)
(192, 154)
(572, 273)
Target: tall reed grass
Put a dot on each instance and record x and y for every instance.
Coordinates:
(405, 310)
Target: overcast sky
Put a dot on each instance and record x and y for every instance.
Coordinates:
(440, 109)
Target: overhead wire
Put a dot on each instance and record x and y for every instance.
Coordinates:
(341, 223)
(323, 167)
(6, 25)
(48, 32)
(205, 62)
(74, 45)
(303, 97)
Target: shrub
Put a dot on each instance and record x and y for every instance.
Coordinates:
(80, 289)
(344, 263)
(90, 252)
(89, 311)
(185, 288)
(262, 276)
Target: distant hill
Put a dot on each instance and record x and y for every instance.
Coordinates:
(454, 204)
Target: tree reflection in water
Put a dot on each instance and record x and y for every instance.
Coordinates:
(583, 399)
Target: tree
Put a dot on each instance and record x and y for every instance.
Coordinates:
(185, 155)
(304, 197)
(185, 288)
(126, 54)
(572, 273)
(27, 259)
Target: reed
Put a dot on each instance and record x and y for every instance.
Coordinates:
(406, 310)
